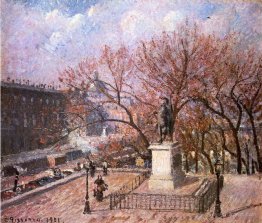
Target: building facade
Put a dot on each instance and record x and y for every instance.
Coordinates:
(31, 116)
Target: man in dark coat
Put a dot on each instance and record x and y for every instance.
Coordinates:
(101, 186)
(92, 169)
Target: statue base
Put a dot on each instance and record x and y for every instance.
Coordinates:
(161, 183)
(166, 166)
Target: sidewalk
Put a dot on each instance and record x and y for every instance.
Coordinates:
(240, 197)
(8, 182)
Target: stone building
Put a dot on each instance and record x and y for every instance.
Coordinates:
(31, 117)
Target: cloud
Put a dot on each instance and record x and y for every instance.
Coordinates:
(135, 24)
(171, 19)
(37, 42)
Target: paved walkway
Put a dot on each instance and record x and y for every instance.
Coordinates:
(67, 201)
(241, 203)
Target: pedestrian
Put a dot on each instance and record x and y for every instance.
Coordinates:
(105, 168)
(58, 173)
(101, 186)
(92, 168)
(78, 168)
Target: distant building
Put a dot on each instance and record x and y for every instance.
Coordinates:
(96, 94)
(31, 117)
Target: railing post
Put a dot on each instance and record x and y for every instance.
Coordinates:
(201, 204)
(120, 203)
(111, 205)
(150, 202)
(114, 200)
(128, 201)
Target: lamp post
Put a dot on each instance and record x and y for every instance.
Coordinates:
(16, 180)
(87, 205)
(218, 166)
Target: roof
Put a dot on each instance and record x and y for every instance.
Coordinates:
(29, 87)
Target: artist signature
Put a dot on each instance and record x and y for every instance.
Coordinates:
(28, 220)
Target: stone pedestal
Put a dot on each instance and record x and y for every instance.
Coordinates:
(166, 166)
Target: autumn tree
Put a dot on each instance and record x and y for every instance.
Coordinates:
(195, 133)
(111, 75)
(249, 93)
(167, 64)
(220, 88)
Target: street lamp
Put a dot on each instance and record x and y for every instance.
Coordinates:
(218, 166)
(87, 205)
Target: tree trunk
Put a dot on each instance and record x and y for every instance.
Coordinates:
(247, 156)
(255, 140)
(253, 167)
(144, 138)
(233, 129)
(196, 161)
(231, 153)
(209, 161)
(206, 155)
(173, 121)
(239, 156)
(186, 164)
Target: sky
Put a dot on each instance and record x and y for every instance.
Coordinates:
(42, 37)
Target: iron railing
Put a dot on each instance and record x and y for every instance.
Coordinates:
(200, 203)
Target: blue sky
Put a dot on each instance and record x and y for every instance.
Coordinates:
(42, 37)
(72, 7)
(69, 7)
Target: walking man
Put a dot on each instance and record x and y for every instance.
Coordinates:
(105, 168)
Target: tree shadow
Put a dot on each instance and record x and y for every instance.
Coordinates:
(100, 210)
(187, 181)
(241, 209)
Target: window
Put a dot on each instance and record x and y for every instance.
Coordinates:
(14, 119)
(41, 100)
(32, 100)
(34, 120)
(15, 97)
(47, 101)
(57, 102)
(24, 99)
(25, 120)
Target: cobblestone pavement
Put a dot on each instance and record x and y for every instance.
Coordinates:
(241, 203)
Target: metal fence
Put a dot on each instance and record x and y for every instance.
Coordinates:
(153, 202)
(208, 195)
(191, 203)
(133, 184)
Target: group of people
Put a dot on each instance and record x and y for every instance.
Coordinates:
(92, 167)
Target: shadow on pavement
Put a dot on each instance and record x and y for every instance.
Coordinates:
(241, 209)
